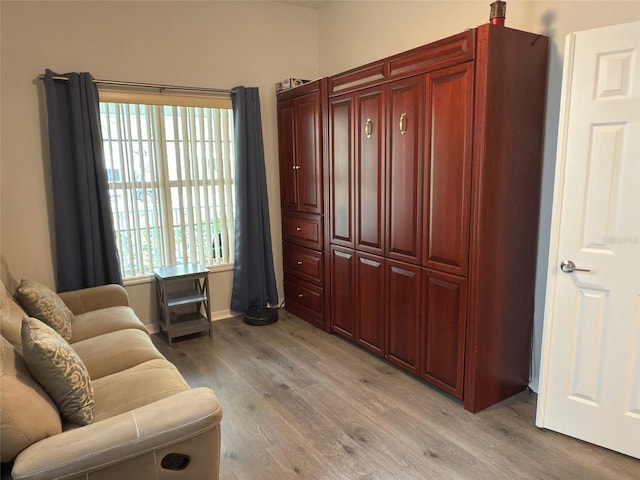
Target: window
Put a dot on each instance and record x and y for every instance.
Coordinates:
(170, 177)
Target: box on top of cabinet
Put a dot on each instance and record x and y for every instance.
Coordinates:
(288, 83)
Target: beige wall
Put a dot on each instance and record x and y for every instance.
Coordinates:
(223, 44)
(354, 33)
(219, 44)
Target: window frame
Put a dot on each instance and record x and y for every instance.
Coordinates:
(164, 186)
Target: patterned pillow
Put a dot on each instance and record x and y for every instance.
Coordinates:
(42, 303)
(59, 370)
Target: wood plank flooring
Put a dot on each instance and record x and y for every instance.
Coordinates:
(301, 404)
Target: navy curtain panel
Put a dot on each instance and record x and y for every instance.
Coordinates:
(254, 280)
(85, 249)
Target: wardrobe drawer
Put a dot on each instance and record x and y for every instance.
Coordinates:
(304, 294)
(304, 263)
(305, 230)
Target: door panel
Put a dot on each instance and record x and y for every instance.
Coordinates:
(403, 303)
(309, 154)
(343, 314)
(370, 155)
(341, 161)
(370, 297)
(287, 155)
(603, 182)
(404, 168)
(590, 369)
(447, 177)
(444, 308)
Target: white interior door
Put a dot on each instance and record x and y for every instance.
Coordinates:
(590, 366)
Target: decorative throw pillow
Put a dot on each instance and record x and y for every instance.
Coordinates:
(44, 304)
(59, 370)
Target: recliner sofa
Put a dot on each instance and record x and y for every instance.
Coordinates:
(148, 423)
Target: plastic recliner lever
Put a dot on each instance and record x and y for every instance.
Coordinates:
(175, 461)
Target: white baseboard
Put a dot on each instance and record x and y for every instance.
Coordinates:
(215, 316)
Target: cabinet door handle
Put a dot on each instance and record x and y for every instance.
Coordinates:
(367, 128)
(403, 129)
(298, 229)
(299, 262)
(296, 167)
(300, 295)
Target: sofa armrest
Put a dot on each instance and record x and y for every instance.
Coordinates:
(95, 298)
(106, 444)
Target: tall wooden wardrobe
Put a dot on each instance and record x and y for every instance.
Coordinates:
(431, 182)
(301, 121)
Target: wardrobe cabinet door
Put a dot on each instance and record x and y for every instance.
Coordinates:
(369, 170)
(444, 298)
(447, 174)
(341, 147)
(403, 303)
(371, 302)
(287, 155)
(309, 153)
(404, 168)
(343, 315)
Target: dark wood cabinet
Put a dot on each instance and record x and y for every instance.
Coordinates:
(357, 170)
(371, 302)
(359, 300)
(305, 300)
(341, 145)
(300, 151)
(304, 263)
(370, 170)
(343, 306)
(444, 312)
(403, 314)
(508, 111)
(300, 137)
(303, 229)
(309, 153)
(404, 168)
(463, 121)
(433, 162)
(287, 155)
(447, 172)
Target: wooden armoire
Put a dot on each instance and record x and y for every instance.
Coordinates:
(301, 118)
(410, 198)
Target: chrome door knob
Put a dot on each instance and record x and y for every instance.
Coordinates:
(567, 266)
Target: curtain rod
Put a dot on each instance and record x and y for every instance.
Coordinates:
(149, 85)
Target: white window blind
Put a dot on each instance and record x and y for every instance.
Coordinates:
(170, 174)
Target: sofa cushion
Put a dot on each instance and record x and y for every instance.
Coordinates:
(105, 320)
(11, 318)
(95, 298)
(27, 414)
(135, 387)
(44, 304)
(60, 371)
(115, 351)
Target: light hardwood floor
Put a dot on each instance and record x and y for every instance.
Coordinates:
(301, 404)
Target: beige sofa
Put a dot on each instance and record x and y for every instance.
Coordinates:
(144, 410)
